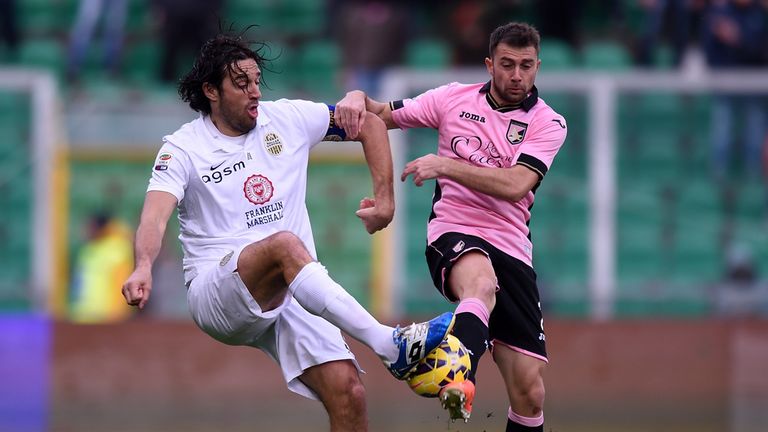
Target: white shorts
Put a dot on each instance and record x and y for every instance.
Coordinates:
(222, 306)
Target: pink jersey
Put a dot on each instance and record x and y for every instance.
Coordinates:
(473, 128)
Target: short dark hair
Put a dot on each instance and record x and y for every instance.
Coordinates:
(514, 34)
(213, 63)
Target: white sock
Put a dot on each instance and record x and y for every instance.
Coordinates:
(314, 289)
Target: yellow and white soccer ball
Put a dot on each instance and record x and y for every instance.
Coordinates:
(449, 362)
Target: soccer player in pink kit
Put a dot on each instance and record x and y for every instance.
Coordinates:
(496, 142)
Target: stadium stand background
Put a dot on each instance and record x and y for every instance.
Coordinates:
(689, 246)
(679, 229)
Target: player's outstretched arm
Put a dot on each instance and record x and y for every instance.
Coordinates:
(158, 207)
(378, 212)
(350, 112)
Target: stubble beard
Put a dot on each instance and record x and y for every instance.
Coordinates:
(506, 100)
(240, 122)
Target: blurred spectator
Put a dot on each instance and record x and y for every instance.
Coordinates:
(469, 22)
(742, 293)
(372, 35)
(672, 18)
(184, 26)
(112, 14)
(560, 20)
(9, 31)
(468, 31)
(734, 34)
(103, 263)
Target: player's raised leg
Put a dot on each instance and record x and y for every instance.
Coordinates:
(523, 377)
(341, 391)
(308, 281)
(472, 280)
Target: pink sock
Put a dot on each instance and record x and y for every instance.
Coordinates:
(474, 306)
(526, 421)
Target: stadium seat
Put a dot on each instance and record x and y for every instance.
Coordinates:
(44, 53)
(139, 18)
(141, 62)
(319, 64)
(659, 156)
(427, 54)
(14, 109)
(640, 224)
(263, 14)
(698, 231)
(659, 107)
(607, 56)
(556, 55)
(663, 57)
(281, 57)
(699, 108)
(559, 230)
(301, 17)
(46, 18)
(598, 18)
(559, 101)
(15, 200)
(103, 88)
(281, 73)
(752, 199)
(13, 148)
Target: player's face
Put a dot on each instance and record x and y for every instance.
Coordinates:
(513, 72)
(235, 107)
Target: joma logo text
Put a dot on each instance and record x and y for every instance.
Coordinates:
(473, 117)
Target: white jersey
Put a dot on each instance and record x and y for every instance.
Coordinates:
(235, 191)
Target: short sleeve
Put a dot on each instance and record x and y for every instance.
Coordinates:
(542, 143)
(313, 117)
(170, 172)
(424, 110)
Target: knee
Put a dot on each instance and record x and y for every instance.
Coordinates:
(355, 392)
(288, 246)
(531, 395)
(351, 387)
(536, 396)
(483, 288)
(285, 240)
(348, 397)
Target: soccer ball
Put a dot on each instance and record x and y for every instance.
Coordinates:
(447, 363)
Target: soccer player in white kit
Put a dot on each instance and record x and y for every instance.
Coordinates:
(238, 176)
(496, 142)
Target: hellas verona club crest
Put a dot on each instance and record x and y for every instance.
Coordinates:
(273, 144)
(258, 189)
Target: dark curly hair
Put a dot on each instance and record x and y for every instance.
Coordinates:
(215, 61)
(514, 34)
